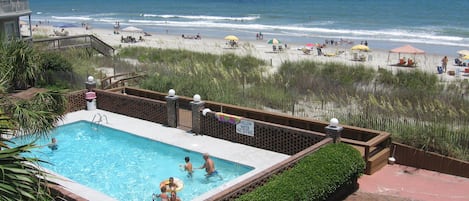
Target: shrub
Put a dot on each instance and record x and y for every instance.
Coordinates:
(315, 177)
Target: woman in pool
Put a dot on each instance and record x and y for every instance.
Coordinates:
(174, 197)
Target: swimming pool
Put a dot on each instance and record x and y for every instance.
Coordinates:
(125, 166)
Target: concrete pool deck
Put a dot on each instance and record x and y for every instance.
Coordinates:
(258, 158)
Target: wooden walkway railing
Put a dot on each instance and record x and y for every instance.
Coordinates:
(76, 41)
(119, 80)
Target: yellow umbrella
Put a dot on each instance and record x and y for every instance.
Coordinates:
(463, 52)
(361, 48)
(231, 37)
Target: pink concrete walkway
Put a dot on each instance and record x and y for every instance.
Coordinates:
(415, 184)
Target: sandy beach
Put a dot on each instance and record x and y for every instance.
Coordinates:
(376, 58)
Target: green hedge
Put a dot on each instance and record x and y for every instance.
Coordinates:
(315, 177)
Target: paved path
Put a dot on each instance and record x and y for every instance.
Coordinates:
(402, 183)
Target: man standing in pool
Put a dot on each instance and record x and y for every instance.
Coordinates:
(209, 166)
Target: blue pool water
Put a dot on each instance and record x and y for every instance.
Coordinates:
(125, 166)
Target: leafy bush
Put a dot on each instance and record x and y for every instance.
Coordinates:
(315, 177)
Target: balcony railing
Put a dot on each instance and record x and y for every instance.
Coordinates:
(14, 6)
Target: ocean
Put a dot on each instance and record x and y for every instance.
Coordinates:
(436, 26)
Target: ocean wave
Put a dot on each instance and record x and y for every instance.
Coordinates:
(73, 18)
(423, 35)
(204, 17)
(385, 33)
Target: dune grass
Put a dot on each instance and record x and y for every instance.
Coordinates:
(415, 107)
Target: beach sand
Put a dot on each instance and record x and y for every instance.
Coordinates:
(261, 49)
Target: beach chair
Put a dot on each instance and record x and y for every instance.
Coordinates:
(274, 48)
(439, 69)
(458, 62)
(280, 48)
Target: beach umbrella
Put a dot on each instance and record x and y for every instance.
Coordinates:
(231, 37)
(361, 48)
(274, 41)
(463, 52)
(311, 44)
(132, 29)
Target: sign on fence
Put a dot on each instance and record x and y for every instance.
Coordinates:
(245, 127)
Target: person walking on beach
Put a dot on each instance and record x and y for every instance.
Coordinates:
(444, 63)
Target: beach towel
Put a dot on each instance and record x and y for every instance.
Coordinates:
(223, 117)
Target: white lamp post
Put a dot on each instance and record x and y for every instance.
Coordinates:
(333, 130)
(171, 93)
(196, 98)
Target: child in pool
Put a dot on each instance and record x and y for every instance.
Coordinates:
(163, 196)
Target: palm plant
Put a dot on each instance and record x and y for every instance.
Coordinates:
(21, 177)
(19, 63)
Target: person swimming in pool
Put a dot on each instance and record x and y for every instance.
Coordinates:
(188, 166)
(209, 166)
(163, 196)
(53, 145)
(171, 185)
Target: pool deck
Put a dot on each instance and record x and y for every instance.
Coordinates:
(258, 158)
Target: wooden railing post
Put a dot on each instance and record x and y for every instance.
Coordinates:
(173, 107)
(196, 107)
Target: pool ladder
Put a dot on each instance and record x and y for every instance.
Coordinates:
(98, 118)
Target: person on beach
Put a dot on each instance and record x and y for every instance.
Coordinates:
(444, 63)
(188, 166)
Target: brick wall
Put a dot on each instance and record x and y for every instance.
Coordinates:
(132, 106)
(269, 136)
(76, 101)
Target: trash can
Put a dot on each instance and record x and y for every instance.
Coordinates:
(90, 100)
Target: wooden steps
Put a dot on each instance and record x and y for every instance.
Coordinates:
(377, 161)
